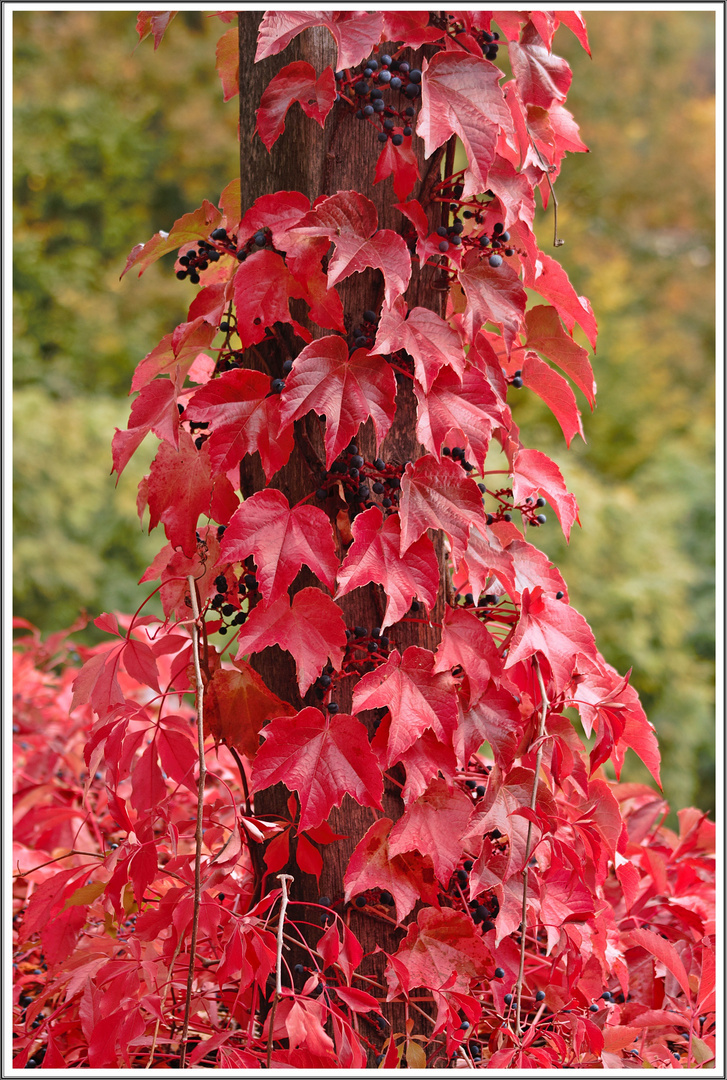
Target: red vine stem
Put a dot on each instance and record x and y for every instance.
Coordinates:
(199, 692)
(533, 799)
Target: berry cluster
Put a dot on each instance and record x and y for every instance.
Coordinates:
(366, 92)
(363, 335)
(486, 39)
(195, 260)
(228, 598)
(493, 242)
(361, 480)
(457, 453)
(529, 509)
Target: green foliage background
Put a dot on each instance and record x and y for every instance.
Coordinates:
(112, 144)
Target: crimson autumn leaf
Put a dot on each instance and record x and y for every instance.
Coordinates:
(175, 353)
(545, 333)
(236, 705)
(416, 696)
(461, 96)
(311, 628)
(425, 336)
(374, 556)
(514, 191)
(468, 644)
(531, 566)
(427, 758)
(355, 32)
(410, 27)
(187, 230)
(180, 487)
(321, 757)
(439, 495)
(263, 287)
(348, 220)
(245, 418)
(555, 392)
(347, 390)
(494, 718)
(483, 557)
(295, 82)
(554, 629)
(434, 825)
(407, 877)
(575, 22)
(402, 162)
(155, 409)
(97, 681)
(442, 948)
(535, 474)
(541, 78)
(456, 411)
(549, 279)
(281, 540)
(494, 294)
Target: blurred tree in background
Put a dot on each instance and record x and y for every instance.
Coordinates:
(110, 147)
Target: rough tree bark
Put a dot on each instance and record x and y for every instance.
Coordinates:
(316, 162)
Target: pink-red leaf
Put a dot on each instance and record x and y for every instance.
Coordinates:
(535, 474)
(227, 56)
(295, 82)
(187, 230)
(439, 495)
(555, 630)
(541, 77)
(407, 877)
(547, 277)
(281, 540)
(545, 333)
(434, 825)
(555, 392)
(321, 757)
(442, 948)
(425, 336)
(153, 22)
(494, 294)
(456, 411)
(236, 705)
(355, 32)
(263, 286)
(401, 161)
(375, 556)
(155, 409)
(468, 644)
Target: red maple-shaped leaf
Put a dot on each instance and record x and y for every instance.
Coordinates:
(355, 32)
(175, 353)
(188, 230)
(277, 212)
(442, 948)
(155, 409)
(468, 644)
(514, 191)
(545, 333)
(532, 567)
(410, 27)
(375, 556)
(295, 82)
(236, 705)
(311, 628)
(484, 557)
(401, 161)
(427, 241)
(407, 877)
(97, 681)
(457, 411)
(347, 390)
(553, 629)
(175, 567)
(461, 96)
(535, 474)
(550, 280)
(425, 336)
(494, 718)
(541, 78)
(555, 392)
(281, 540)
(321, 757)
(434, 825)
(348, 220)
(439, 495)
(427, 758)
(244, 418)
(263, 287)
(494, 294)
(416, 696)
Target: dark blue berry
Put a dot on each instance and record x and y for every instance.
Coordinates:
(386, 503)
(517, 382)
(360, 901)
(415, 75)
(559, 596)
(412, 90)
(540, 996)
(373, 63)
(499, 973)
(389, 123)
(385, 77)
(444, 245)
(377, 95)
(194, 278)
(339, 78)
(409, 111)
(495, 260)
(541, 519)
(386, 60)
(508, 999)
(407, 130)
(378, 488)
(382, 136)
(321, 493)
(332, 707)
(397, 139)
(260, 239)
(387, 898)
(458, 227)
(505, 236)
(456, 240)
(395, 83)
(181, 274)
(368, 110)
(219, 234)
(591, 1008)
(277, 385)
(362, 88)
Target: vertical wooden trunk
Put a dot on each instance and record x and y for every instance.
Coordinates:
(316, 161)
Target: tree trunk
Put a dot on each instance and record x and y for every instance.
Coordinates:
(316, 162)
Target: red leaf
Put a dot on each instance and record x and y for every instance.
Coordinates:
(358, 1000)
(484, 557)
(236, 705)
(532, 567)
(180, 488)
(416, 696)
(155, 409)
(187, 230)
(574, 21)
(348, 220)
(541, 77)
(535, 474)
(178, 756)
(665, 953)
(467, 643)
(430, 341)
(407, 877)
(143, 869)
(438, 495)
(495, 718)
(410, 27)
(308, 857)
(147, 784)
(514, 191)
(244, 419)
(427, 758)
(311, 628)
(263, 286)
(494, 294)
(549, 279)
(321, 757)
(546, 334)
(347, 390)
(555, 392)
(402, 162)
(461, 96)
(277, 212)
(457, 411)
(281, 540)
(374, 556)
(176, 352)
(355, 32)
(554, 629)
(442, 948)
(434, 825)
(295, 82)
(153, 22)
(227, 56)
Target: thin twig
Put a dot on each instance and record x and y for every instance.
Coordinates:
(199, 687)
(548, 168)
(283, 879)
(533, 800)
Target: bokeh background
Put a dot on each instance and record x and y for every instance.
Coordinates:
(112, 143)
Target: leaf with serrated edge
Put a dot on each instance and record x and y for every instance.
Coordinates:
(439, 495)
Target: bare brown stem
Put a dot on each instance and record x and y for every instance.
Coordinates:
(283, 879)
